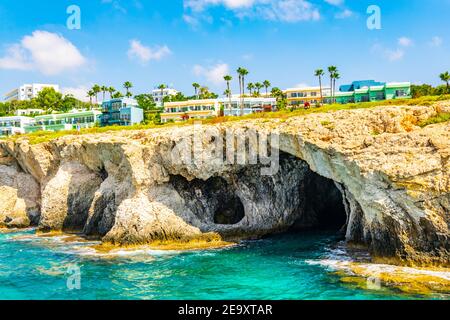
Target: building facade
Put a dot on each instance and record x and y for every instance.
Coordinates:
(208, 108)
(14, 125)
(121, 112)
(29, 112)
(159, 95)
(75, 120)
(192, 109)
(301, 96)
(27, 92)
(250, 105)
(371, 91)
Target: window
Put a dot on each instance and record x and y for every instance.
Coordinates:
(400, 93)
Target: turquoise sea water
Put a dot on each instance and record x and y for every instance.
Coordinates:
(282, 267)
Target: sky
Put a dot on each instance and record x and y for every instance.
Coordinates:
(178, 42)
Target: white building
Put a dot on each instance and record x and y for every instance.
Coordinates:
(250, 105)
(14, 125)
(159, 95)
(29, 112)
(28, 91)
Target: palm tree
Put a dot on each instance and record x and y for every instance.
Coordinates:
(117, 95)
(335, 76)
(242, 73)
(267, 85)
(228, 79)
(250, 87)
(319, 73)
(196, 87)
(90, 94)
(111, 90)
(446, 78)
(162, 87)
(258, 87)
(127, 86)
(104, 89)
(96, 89)
(331, 71)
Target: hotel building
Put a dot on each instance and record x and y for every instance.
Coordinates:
(251, 105)
(77, 119)
(27, 92)
(192, 109)
(203, 109)
(14, 125)
(159, 95)
(370, 91)
(121, 112)
(300, 96)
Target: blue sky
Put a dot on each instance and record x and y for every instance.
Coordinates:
(178, 42)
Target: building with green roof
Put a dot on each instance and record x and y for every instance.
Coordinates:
(370, 91)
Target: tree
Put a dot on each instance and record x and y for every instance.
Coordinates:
(336, 76)
(242, 73)
(49, 99)
(127, 86)
(446, 78)
(228, 79)
(331, 71)
(196, 87)
(146, 102)
(267, 85)
(258, 87)
(104, 89)
(90, 94)
(320, 73)
(250, 87)
(162, 87)
(96, 89)
(280, 96)
(117, 95)
(111, 90)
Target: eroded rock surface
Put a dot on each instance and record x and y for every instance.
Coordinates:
(389, 176)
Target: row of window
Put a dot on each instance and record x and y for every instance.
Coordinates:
(304, 94)
(191, 108)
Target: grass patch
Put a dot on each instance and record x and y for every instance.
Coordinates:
(45, 136)
(439, 118)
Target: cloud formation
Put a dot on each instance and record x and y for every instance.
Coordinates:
(289, 11)
(213, 74)
(46, 52)
(144, 54)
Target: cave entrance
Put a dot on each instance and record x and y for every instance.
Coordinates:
(215, 199)
(323, 205)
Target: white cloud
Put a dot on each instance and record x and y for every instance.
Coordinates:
(344, 14)
(275, 10)
(79, 92)
(394, 55)
(213, 74)
(436, 41)
(388, 53)
(335, 2)
(47, 52)
(145, 54)
(405, 42)
(302, 85)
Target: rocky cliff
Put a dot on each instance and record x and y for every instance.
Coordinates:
(374, 174)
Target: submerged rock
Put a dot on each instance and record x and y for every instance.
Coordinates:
(372, 173)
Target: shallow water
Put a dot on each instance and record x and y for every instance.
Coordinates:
(291, 266)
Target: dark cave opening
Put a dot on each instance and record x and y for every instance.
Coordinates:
(294, 199)
(214, 199)
(324, 208)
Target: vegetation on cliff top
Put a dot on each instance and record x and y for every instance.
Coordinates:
(44, 136)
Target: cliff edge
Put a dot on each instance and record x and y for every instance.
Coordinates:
(373, 173)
